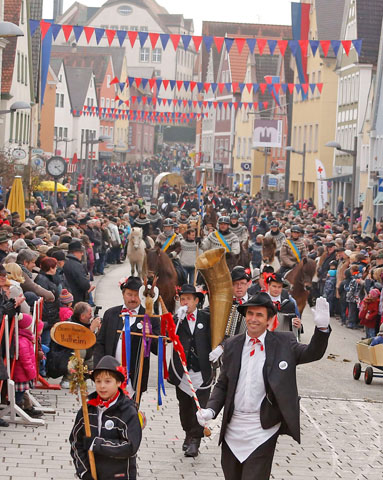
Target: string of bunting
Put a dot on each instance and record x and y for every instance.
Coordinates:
(231, 87)
(184, 41)
(146, 115)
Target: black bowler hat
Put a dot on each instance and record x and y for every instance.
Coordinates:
(262, 299)
(239, 273)
(75, 246)
(111, 364)
(275, 277)
(187, 288)
(131, 283)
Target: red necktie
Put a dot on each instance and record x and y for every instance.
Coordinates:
(190, 317)
(126, 310)
(255, 341)
(239, 300)
(278, 305)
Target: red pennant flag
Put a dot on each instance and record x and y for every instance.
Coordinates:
(88, 33)
(325, 44)
(304, 45)
(305, 87)
(195, 103)
(67, 29)
(175, 40)
(192, 86)
(218, 43)
(221, 86)
(144, 100)
(290, 86)
(235, 105)
(133, 99)
(234, 87)
(184, 102)
(132, 37)
(204, 103)
(282, 44)
(277, 87)
(261, 42)
(262, 87)
(174, 101)
(320, 87)
(115, 81)
(74, 159)
(225, 104)
(179, 84)
(152, 82)
(110, 34)
(265, 105)
(165, 84)
(164, 101)
(249, 86)
(44, 26)
(240, 44)
(127, 103)
(215, 104)
(206, 86)
(153, 39)
(197, 42)
(138, 82)
(347, 45)
(255, 105)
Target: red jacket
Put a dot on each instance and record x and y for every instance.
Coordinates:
(369, 312)
(25, 367)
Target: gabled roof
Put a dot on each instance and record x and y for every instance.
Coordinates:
(222, 29)
(369, 22)
(329, 26)
(11, 14)
(55, 64)
(78, 80)
(238, 63)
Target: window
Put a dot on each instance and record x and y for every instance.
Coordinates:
(239, 147)
(114, 27)
(66, 132)
(11, 126)
(249, 147)
(156, 55)
(144, 54)
(22, 19)
(102, 102)
(101, 130)
(157, 73)
(18, 66)
(57, 99)
(124, 27)
(134, 28)
(305, 134)
(108, 103)
(26, 70)
(316, 132)
(144, 29)
(228, 113)
(218, 113)
(309, 146)
(62, 100)
(108, 81)
(55, 134)
(294, 137)
(112, 103)
(111, 132)
(244, 145)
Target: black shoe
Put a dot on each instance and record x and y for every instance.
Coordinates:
(3, 423)
(32, 412)
(186, 443)
(192, 450)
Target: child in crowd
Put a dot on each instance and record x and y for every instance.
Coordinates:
(353, 296)
(115, 427)
(330, 285)
(369, 312)
(25, 368)
(66, 302)
(342, 290)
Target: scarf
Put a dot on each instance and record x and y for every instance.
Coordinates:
(99, 402)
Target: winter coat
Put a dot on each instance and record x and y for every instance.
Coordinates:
(369, 312)
(16, 290)
(65, 313)
(25, 366)
(76, 279)
(7, 307)
(30, 286)
(50, 309)
(329, 288)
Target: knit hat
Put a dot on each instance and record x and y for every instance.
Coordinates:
(66, 297)
(25, 321)
(374, 293)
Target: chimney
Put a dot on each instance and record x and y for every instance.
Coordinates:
(57, 9)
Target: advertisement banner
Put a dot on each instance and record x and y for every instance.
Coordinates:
(321, 184)
(147, 186)
(267, 133)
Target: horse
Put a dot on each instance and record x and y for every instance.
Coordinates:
(210, 216)
(269, 247)
(136, 251)
(160, 265)
(300, 279)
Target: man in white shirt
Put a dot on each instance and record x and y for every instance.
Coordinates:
(257, 388)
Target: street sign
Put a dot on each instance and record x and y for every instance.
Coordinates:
(37, 151)
(147, 186)
(218, 167)
(246, 166)
(273, 182)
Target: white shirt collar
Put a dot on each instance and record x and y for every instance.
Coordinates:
(275, 299)
(261, 338)
(135, 310)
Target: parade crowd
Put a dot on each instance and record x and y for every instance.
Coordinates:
(56, 256)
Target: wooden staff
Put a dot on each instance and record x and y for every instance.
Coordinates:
(197, 251)
(206, 429)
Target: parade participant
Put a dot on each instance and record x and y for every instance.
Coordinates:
(324, 264)
(278, 236)
(155, 220)
(256, 285)
(194, 203)
(4, 245)
(188, 254)
(239, 230)
(168, 240)
(144, 223)
(282, 300)
(115, 427)
(75, 273)
(193, 328)
(109, 339)
(222, 238)
(293, 250)
(260, 403)
(241, 283)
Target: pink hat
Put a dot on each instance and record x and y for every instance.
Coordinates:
(374, 293)
(25, 321)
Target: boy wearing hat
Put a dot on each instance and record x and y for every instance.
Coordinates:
(115, 427)
(109, 340)
(257, 388)
(193, 328)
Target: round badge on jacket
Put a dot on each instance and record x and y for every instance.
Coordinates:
(139, 325)
(109, 424)
(283, 365)
(199, 325)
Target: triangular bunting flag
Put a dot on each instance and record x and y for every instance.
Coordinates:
(114, 81)
(172, 84)
(320, 87)
(144, 82)
(263, 87)
(347, 46)
(228, 43)
(197, 42)
(33, 24)
(335, 46)
(325, 44)
(228, 87)
(192, 85)
(241, 87)
(142, 36)
(290, 86)
(293, 44)
(55, 29)
(165, 84)
(208, 40)
(240, 42)
(179, 84)
(164, 37)
(44, 26)
(251, 42)
(153, 37)
(199, 87)
(121, 85)
(218, 43)
(152, 82)
(99, 32)
(305, 88)
(132, 35)
(314, 44)
(158, 83)
(221, 86)
(304, 46)
(88, 33)
(213, 87)
(110, 35)
(261, 42)
(206, 86)
(175, 40)
(234, 87)
(186, 85)
(282, 45)
(249, 87)
(67, 29)
(186, 41)
(358, 45)
(255, 88)
(137, 81)
(77, 30)
(272, 45)
(121, 35)
(312, 87)
(284, 87)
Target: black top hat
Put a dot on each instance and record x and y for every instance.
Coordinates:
(275, 277)
(132, 283)
(111, 364)
(239, 273)
(75, 246)
(187, 288)
(262, 299)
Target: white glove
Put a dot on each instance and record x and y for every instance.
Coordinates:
(216, 353)
(321, 313)
(182, 311)
(204, 415)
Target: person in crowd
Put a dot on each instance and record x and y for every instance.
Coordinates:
(255, 249)
(378, 339)
(188, 254)
(66, 302)
(115, 426)
(168, 240)
(293, 250)
(278, 236)
(353, 297)
(222, 237)
(369, 313)
(115, 241)
(330, 286)
(5, 239)
(76, 276)
(16, 278)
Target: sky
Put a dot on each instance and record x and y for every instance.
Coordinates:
(245, 11)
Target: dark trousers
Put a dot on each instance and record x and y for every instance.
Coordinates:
(256, 467)
(188, 409)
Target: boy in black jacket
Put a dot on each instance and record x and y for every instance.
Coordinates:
(115, 428)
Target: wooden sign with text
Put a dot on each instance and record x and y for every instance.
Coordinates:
(73, 335)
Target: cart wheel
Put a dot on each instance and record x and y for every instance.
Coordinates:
(368, 374)
(357, 371)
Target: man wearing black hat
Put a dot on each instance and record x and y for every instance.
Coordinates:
(155, 220)
(257, 388)
(144, 223)
(109, 340)
(293, 250)
(193, 328)
(75, 273)
(4, 245)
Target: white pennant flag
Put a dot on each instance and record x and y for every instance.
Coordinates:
(321, 184)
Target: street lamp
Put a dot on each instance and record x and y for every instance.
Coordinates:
(9, 29)
(303, 153)
(16, 106)
(354, 154)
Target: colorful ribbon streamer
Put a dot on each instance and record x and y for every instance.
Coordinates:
(161, 384)
(127, 342)
(147, 341)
